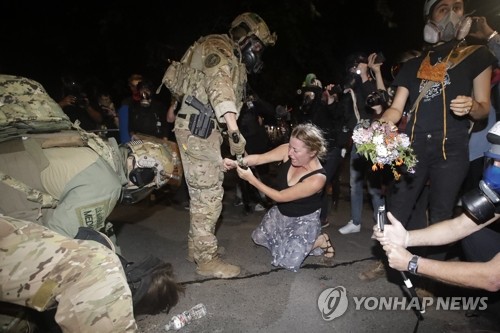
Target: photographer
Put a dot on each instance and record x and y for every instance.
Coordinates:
(75, 104)
(332, 120)
(379, 99)
(481, 245)
(358, 86)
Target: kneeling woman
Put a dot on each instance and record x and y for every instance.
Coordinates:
(291, 229)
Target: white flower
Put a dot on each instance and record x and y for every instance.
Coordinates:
(382, 151)
(381, 144)
(378, 139)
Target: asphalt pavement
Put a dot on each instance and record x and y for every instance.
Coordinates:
(326, 295)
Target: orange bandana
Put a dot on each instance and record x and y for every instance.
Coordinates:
(430, 72)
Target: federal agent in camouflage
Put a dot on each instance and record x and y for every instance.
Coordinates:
(66, 178)
(84, 279)
(214, 71)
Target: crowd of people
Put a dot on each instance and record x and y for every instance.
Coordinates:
(435, 97)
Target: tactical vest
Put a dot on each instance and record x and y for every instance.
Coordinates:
(190, 75)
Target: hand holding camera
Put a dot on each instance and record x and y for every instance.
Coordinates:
(375, 60)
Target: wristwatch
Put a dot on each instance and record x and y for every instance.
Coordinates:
(413, 265)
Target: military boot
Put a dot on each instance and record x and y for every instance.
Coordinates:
(217, 268)
(373, 273)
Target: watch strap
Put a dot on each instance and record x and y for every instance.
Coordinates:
(413, 264)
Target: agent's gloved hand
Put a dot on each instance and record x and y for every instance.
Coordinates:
(236, 143)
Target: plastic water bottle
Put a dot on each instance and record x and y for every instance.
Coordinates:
(177, 322)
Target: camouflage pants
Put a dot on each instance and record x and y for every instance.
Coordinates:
(202, 163)
(41, 269)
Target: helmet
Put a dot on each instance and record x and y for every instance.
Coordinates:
(248, 24)
(149, 166)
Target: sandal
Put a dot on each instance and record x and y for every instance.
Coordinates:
(328, 250)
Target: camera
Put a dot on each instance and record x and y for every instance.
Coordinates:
(379, 58)
(378, 97)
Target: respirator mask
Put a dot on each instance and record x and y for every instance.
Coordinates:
(251, 54)
(145, 98)
(451, 26)
(482, 203)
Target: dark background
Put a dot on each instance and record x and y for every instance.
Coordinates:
(108, 40)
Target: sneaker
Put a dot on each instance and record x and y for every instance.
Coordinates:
(325, 223)
(350, 228)
(373, 273)
(259, 208)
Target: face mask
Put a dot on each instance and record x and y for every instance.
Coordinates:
(145, 99)
(251, 53)
(451, 26)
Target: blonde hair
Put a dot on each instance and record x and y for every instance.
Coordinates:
(313, 138)
(134, 77)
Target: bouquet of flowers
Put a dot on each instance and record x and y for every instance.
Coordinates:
(382, 144)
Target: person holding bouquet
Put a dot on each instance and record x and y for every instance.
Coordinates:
(448, 87)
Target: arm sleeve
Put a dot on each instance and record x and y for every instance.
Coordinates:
(219, 67)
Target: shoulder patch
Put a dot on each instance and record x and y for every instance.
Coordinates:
(212, 60)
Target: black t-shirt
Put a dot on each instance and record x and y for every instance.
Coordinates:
(299, 207)
(150, 120)
(458, 81)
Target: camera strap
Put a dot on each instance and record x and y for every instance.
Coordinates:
(355, 105)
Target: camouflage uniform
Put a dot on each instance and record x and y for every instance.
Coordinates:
(213, 70)
(85, 280)
(60, 177)
(215, 74)
(84, 186)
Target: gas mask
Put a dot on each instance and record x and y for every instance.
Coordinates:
(145, 98)
(252, 35)
(251, 53)
(482, 203)
(451, 26)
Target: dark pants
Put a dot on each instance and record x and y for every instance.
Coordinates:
(331, 165)
(445, 177)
